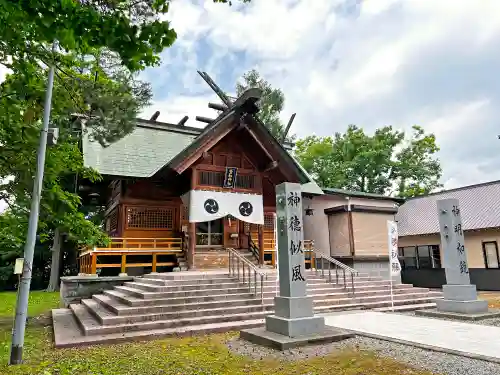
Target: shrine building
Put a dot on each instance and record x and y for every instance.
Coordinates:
(178, 197)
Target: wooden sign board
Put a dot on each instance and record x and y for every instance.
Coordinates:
(230, 177)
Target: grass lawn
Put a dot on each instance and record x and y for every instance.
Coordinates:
(40, 303)
(201, 355)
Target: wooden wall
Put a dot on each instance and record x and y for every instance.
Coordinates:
(143, 209)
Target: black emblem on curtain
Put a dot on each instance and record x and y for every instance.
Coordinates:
(246, 209)
(211, 206)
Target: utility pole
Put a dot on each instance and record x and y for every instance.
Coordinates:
(16, 351)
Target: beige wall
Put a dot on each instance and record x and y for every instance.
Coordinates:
(473, 244)
(370, 233)
(332, 233)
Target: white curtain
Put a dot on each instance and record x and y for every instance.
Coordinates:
(211, 205)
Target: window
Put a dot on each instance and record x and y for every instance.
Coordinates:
(150, 217)
(269, 221)
(409, 257)
(112, 221)
(423, 256)
(245, 181)
(490, 252)
(217, 179)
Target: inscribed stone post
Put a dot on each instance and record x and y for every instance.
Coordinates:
(459, 295)
(293, 309)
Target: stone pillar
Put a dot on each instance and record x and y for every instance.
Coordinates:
(293, 309)
(459, 295)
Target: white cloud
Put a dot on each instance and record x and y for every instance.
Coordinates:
(3, 72)
(397, 62)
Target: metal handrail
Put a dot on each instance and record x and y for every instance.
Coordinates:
(235, 259)
(337, 266)
(252, 246)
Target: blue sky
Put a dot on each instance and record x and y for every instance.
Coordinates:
(339, 62)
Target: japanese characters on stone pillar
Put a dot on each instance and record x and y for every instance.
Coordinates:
(452, 242)
(293, 309)
(290, 232)
(459, 295)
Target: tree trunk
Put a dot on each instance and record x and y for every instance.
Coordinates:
(56, 262)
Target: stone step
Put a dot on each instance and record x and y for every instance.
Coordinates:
(91, 326)
(402, 308)
(384, 303)
(170, 276)
(139, 293)
(179, 288)
(120, 308)
(328, 300)
(150, 279)
(108, 317)
(67, 333)
(134, 301)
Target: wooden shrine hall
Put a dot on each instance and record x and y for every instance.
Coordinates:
(179, 197)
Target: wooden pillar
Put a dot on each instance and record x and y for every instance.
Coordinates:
(191, 245)
(153, 266)
(261, 244)
(123, 270)
(93, 269)
(350, 227)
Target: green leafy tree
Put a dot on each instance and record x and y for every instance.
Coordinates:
(271, 103)
(387, 162)
(101, 45)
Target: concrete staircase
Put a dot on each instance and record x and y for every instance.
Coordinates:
(164, 304)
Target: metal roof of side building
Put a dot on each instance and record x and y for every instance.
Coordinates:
(479, 206)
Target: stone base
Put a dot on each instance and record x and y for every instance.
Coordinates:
(462, 307)
(434, 313)
(460, 292)
(295, 327)
(274, 340)
(293, 307)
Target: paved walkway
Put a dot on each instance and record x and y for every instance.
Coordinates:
(467, 339)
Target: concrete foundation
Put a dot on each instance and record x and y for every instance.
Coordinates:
(274, 340)
(463, 307)
(295, 327)
(75, 288)
(434, 313)
(461, 299)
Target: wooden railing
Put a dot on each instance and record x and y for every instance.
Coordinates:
(145, 243)
(126, 247)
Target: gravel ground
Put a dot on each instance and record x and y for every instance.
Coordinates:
(439, 363)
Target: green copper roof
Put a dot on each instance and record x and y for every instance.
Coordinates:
(140, 153)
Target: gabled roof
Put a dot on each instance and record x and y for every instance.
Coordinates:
(154, 145)
(479, 205)
(141, 153)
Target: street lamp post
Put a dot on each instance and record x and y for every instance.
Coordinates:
(16, 352)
